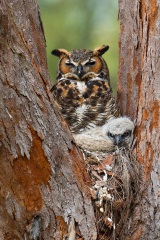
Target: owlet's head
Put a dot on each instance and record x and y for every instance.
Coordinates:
(82, 64)
(119, 131)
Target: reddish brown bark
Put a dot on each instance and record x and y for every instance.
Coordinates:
(41, 170)
(139, 97)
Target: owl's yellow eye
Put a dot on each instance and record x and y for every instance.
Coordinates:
(90, 63)
(68, 63)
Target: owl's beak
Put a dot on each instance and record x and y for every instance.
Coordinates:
(117, 139)
(80, 72)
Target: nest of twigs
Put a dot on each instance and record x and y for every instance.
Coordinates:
(114, 185)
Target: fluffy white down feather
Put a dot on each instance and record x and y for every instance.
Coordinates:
(96, 139)
(118, 126)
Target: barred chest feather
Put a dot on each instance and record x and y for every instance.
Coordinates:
(85, 104)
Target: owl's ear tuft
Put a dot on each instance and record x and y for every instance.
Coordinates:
(60, 52)
(99, 51)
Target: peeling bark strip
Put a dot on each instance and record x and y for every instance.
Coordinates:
(139, 95)
(42, 174)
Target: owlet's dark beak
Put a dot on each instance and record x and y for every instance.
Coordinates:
(80, 72)
(117, 139)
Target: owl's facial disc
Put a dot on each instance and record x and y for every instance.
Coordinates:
(80, 69)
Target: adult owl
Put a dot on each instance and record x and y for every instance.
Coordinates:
(83, 90)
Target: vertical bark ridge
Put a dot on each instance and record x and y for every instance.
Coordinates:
(139, 95)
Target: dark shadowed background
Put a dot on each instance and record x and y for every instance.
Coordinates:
(73, 24)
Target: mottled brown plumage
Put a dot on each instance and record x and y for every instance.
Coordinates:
(83, 90)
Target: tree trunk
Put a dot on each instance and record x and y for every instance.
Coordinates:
(43, 182)
(139, 97)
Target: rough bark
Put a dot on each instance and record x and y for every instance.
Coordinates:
(139, 97)
(42, 173)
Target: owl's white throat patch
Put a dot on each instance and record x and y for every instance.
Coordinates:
(81, 110)
(81, 86)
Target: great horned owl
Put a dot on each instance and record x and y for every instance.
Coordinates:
(116, 133)
(83, 90)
